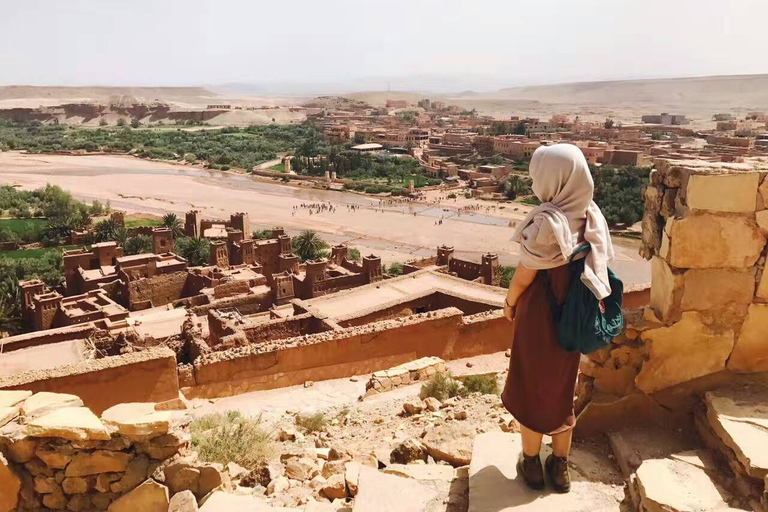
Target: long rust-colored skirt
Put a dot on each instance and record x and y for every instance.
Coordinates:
(542, 376)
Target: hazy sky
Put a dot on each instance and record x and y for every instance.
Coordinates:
(190, 42)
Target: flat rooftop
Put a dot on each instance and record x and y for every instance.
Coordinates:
(366, 299)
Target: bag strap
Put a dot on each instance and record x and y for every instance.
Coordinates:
(555, 308)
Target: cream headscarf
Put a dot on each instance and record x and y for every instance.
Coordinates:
(566, 219)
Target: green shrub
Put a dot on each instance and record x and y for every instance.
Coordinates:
(485, 384)
(506, 274)
(395, 269)
(231, 437)
(441, 386)
(312, 423)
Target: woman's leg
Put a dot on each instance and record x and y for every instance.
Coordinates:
(561, 443)
(531, 441)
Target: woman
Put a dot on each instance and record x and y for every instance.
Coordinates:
(542, 375)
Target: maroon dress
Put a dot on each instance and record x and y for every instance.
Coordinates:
(542, 376)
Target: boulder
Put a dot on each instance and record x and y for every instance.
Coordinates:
(450, 442)
(148, 497)
(137, 420)
(10, 485)
(182, 476)
(44, 402)
(432, 404)
(686, 350)
(278, 486)
(183, 501)
(409, 451)
(335, 487)
(300, 469)
(71, 423)
(100, 461)
(333, 467)
(667, 485)
(415, 406)
(213, 477)
(380, 492)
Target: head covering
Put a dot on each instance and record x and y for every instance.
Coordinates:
(567, 218)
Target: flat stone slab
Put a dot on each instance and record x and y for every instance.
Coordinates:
(137, 420)
(11, 398)
(224, 502)
(667, 485)
(494, 485)
(72, 423)
(739, 417)
(422, 471)
(380, 492)
(44, 402)
(8, 414)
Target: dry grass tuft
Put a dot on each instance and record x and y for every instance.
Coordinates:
(232, 437)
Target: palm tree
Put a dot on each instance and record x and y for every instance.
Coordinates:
(105, 230)
(172, 222)
(138, 244)
(308, 245)
(121, 236)
(195, 250)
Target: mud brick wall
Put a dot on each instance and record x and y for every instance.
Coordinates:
(158, 290)
(148, 376)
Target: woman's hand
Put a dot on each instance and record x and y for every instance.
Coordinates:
(509, 311)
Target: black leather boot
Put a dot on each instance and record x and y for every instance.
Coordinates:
(558, 473)
(531, 471)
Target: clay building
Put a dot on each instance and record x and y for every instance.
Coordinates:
(43, 308)
(486, 272)
(86, 270)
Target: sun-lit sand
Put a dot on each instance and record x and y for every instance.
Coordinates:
(391, 231)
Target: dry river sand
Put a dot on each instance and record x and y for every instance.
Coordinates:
(390, 231)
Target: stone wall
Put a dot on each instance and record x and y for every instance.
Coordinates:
(148, 376)
(55, 454)
(704, 230)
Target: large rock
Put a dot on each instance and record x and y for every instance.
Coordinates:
(300, 469)
(23, 450)
(213, 477)
(667, 485)
(335, 488)
(8, 414)
(409, 451)
(451, 442)
(751, 351)
(495, 486)
(10, 485)
(715, 288)
(148, 497)
(666, 289)
(723, 192)
(72, 423)
(380, 492)
(182, 476)
(682, 352)
(11, 398)
(739, 417)
(100, 461)
(137, 420)
(183, 501)
(45, 402)
(710, 241)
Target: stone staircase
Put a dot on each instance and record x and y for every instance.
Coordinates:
(650, 469)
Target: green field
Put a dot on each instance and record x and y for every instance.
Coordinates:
(22, 225)
(32, 253)
(139, 223)
(278, 168)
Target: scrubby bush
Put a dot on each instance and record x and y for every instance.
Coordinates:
(312, 422)
(231, 437)
(485, 384)
(441, 386)
(395, 269)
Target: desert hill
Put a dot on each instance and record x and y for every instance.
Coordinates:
(34, 96)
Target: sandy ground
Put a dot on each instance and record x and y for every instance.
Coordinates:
(396, 232)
